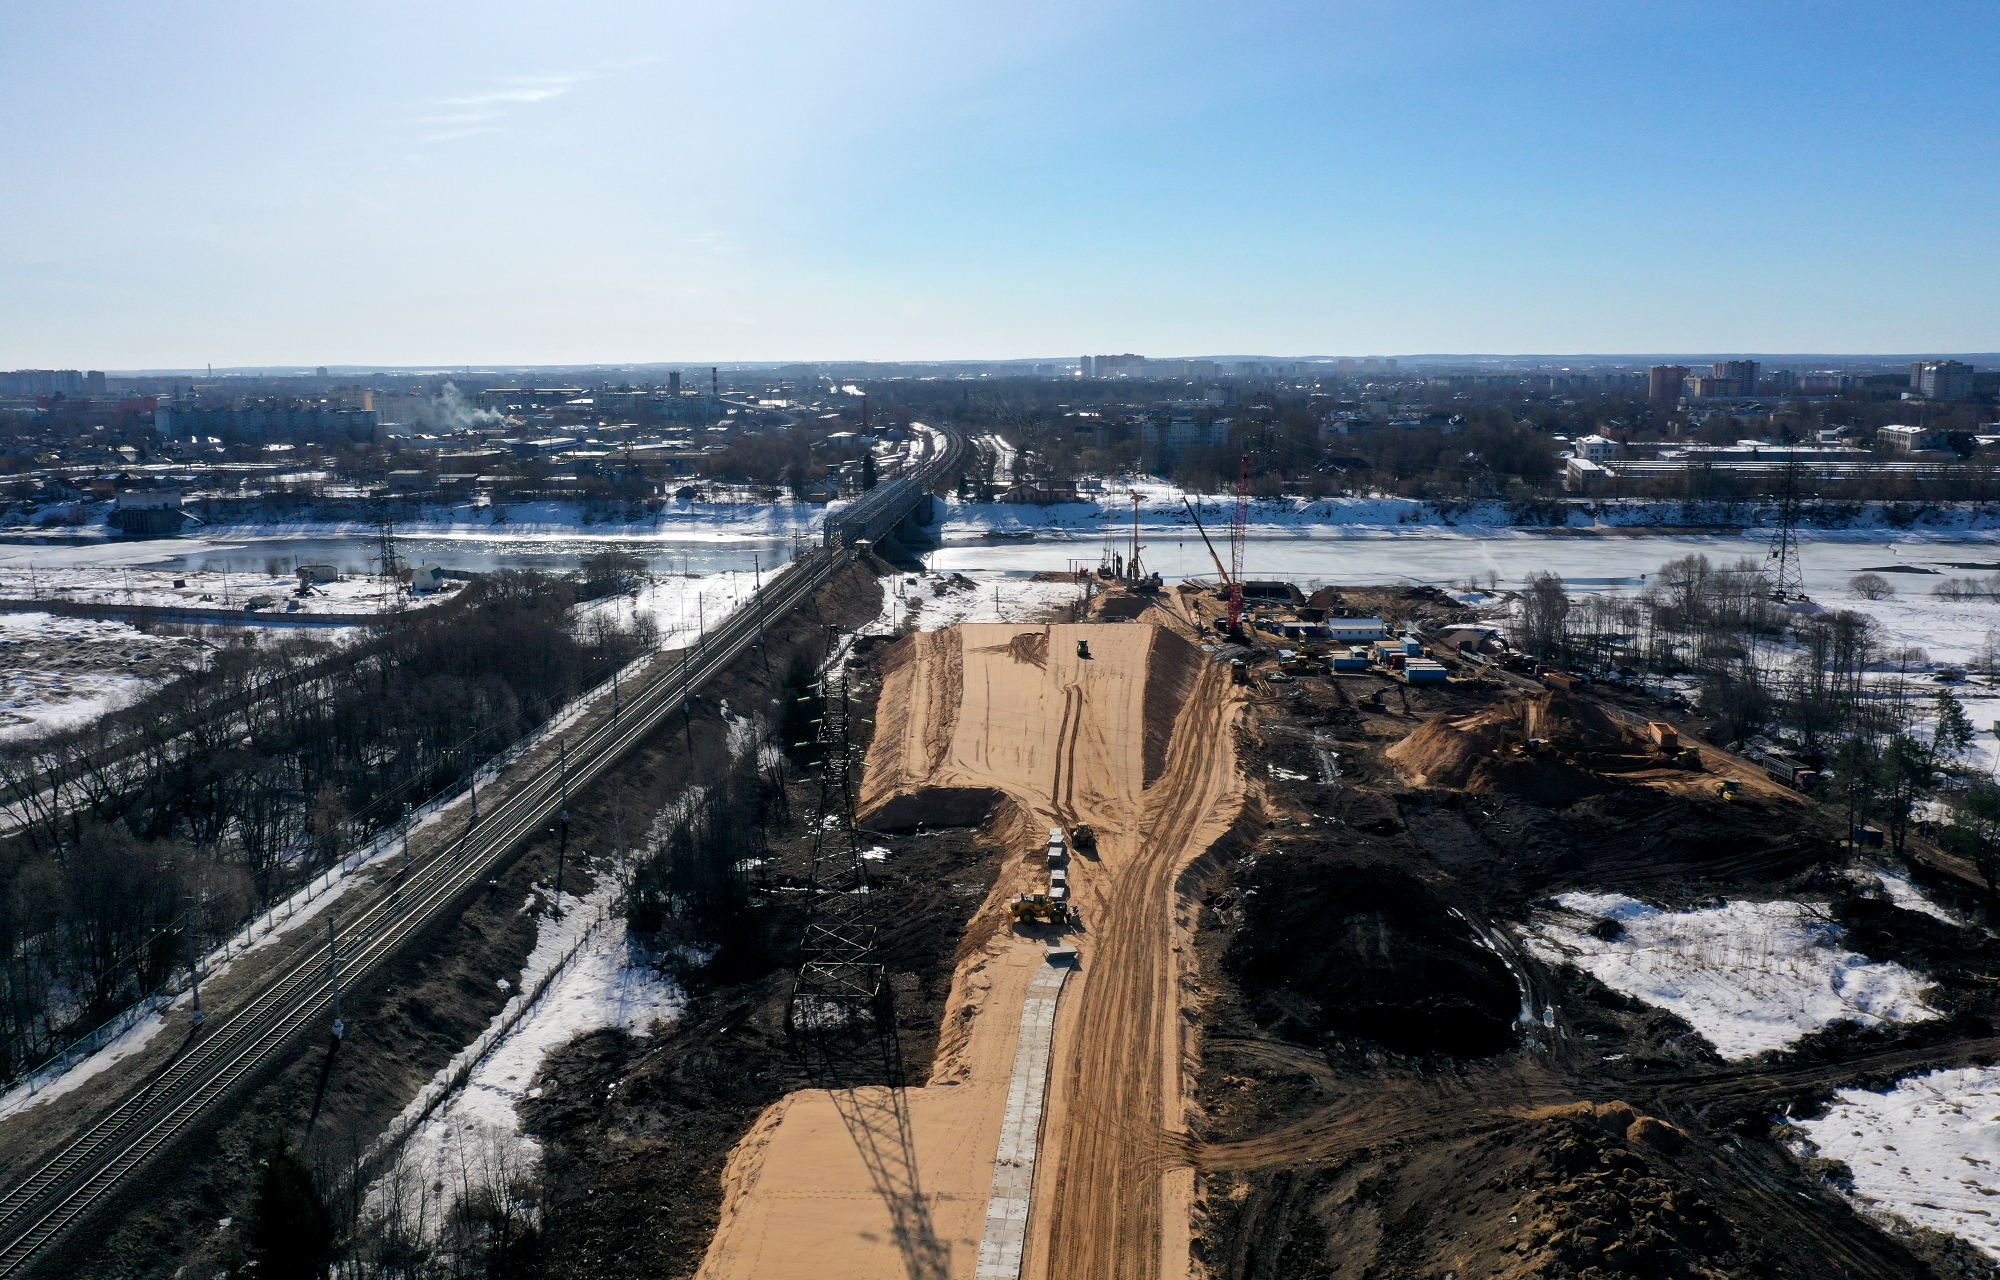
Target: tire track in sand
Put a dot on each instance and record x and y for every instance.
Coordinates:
(1122, 1072)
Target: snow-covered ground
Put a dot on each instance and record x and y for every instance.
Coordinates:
(989, 598)
(1748, 976)
(205, 589)
(683, 606)
(1926, 1151)
(57, 672)
(602, 978)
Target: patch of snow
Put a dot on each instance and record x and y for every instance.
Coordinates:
(34, 1092)
(1903, 893)
(1927, 1151)
(990, 598)
(601, 977)
(1749, 976)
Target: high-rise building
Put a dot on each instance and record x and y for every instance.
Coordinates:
(674, 382)
(1664, 386)
(1941, 379)
(1086, 367)
(1741, 373)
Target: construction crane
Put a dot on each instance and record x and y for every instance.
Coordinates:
(1226, 580)
(1239, 529)
(1132, 569)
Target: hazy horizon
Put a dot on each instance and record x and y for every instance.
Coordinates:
(476, 367)
(378, 184)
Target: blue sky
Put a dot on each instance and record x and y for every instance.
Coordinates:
(365, 182)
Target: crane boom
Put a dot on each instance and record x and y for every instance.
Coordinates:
(1239, 529)
(1205, 542)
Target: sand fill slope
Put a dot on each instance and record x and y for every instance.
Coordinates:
(1012, 713)
(1478, 752)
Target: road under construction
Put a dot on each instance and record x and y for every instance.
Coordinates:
(1135, 740)
(1299, 1035)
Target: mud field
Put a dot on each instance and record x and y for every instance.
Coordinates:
(1392, 1086)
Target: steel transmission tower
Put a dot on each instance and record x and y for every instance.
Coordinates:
(1787, 572)
(842, 1010)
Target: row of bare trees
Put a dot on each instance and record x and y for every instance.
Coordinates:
(1758, 664)
(149, 836)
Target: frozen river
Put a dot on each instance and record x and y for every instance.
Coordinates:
(1439, 556)
(1446, 558)
(355, 553)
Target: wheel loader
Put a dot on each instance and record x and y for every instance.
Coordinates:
(1038, 908)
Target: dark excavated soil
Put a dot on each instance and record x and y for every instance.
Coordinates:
(1335, 945)
(1370, 1113)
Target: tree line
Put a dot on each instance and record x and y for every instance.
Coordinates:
(149, 836)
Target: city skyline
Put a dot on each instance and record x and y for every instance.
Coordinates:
(463, 184)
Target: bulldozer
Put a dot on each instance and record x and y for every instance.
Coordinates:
(1728, 789)
(1083, 838)
(1038, 908)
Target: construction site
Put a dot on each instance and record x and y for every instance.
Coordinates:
(1104, 927)
(1254, 981)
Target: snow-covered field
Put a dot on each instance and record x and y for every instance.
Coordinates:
(914, 600)
(1748, 976)
(58, 672)
(682, 606)
(1925, 1151)
(205, 589)
(473, 1139)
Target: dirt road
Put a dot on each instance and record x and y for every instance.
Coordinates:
(1136, 740)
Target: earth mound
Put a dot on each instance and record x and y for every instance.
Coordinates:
(1490, 751)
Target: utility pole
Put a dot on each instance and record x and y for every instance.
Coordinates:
(194, 972)
(757, 599)
(333, 969)
(406, 837)
(472, 782)
(562, 840)
(687, 700)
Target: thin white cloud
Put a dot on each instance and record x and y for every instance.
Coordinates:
(477, 113)
(450, 134)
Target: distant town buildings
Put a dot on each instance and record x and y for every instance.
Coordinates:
(1740, 375)
(1666, 383)
(1941, 379)
(1910, 441)
(52, 382)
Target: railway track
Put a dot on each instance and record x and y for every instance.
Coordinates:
(38, 1211)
